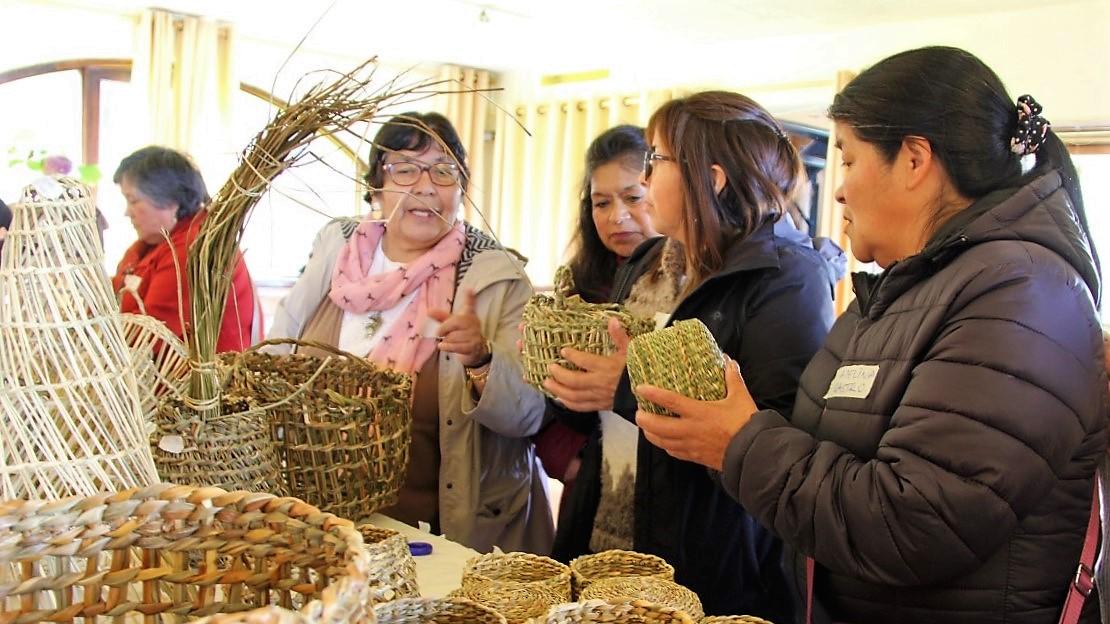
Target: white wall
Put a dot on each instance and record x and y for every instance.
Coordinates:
(1060, 54)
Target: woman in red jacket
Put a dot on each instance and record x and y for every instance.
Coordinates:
(166, 196)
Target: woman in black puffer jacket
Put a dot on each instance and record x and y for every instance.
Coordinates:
(939, 462)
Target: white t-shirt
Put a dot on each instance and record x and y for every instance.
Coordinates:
(353, 332)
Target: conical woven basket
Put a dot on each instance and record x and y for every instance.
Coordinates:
(617, 563)
(341, 425)
(71, 416)
(180, 551)
(392, 567)
(552, 323)
(683, 358)
(659, 591)
(435, 611)
(614, 612)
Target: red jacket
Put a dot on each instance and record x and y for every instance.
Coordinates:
(154, 267)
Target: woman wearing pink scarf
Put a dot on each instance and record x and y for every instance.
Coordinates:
(415, 288)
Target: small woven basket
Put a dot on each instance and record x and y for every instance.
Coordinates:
(617, 563)
(552, 323)
(614, 612)
(683, 358)
(392, 567)
(232, 450)
(659, 591)
(514, 569)
(435, 610)
(340, 424)
(265, 615)
(517, 602)
(181, 551)
(733, 619)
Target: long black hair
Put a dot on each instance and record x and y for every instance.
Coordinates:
(593, 265)
(952, 99)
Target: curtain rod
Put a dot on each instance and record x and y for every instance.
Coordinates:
(581, 106)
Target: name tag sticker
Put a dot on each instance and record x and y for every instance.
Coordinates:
(853, 382)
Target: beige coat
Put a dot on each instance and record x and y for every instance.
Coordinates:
(492, 491)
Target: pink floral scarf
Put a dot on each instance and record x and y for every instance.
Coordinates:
(403, 347)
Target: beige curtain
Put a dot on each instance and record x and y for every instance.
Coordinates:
(183, 69)
(830, 222)
(533, 206)
(469, 112)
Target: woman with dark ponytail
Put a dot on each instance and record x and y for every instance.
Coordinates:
(939, 462)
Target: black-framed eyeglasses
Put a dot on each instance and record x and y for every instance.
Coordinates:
(650, 156)
(407, 173)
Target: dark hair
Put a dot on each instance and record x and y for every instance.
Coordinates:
(165, 176)
(952, 99)
(413, 131)
(593, 265)
(762, 170)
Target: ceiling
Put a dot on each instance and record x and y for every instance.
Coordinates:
(542, 35)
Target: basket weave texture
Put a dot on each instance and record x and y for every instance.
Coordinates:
(733, 619)
(182, 551)
(435, 610)
(659, 591)
(552, 323)
(683, 358)
(341, 425)
(614, 612)
(392, 567)
(517, 585)
(617, 563)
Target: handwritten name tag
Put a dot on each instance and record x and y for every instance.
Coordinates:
(853, 382)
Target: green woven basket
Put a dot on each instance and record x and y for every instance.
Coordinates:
(552, 323)
(683, 358)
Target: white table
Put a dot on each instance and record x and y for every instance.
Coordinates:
(437, 573)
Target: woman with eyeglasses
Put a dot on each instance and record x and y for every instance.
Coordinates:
(940, 463)
(421, 291)
(720, 174)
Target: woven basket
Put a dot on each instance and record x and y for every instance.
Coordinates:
(392, 567)
(617, 563)
(737, 619)
(517, 568)
(341, 424)
(517, 602)
(659, 591)
(437, 610)
(265, 615)
(174, 550)
(614, 612)
(232, 450)
(683, 358)
(552, 323)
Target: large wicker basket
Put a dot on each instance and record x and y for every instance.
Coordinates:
(617, 563)
(437, 611)
(683, 358)
(174, 550)
(341, 424)
(392, 568)
(232, 449)
(614, 612)
(552, 323)
(659, 591)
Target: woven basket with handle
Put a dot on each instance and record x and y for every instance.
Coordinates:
(340, 423)
(175, 550)
(657, 590)
(552, 323)
(617, 563)
(683, 358)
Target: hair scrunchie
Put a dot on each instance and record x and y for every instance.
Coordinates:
(1032, 128)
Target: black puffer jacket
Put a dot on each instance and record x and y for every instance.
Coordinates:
(769, 308)
(947, 477)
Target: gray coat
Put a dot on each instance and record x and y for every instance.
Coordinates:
(491, 488)
(948, 476)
